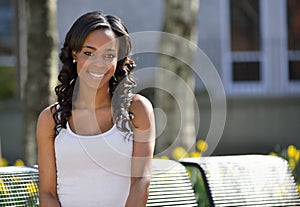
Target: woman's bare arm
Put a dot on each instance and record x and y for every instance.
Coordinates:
(46, 159)
(143, 148)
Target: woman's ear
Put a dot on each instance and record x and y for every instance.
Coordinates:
(74, 54)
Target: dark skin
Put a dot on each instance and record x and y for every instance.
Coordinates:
(95, 66)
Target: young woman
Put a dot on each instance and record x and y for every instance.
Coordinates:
(95, 145)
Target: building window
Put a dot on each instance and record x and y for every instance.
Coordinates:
(294, 70)
(245, 40)
(245, 25)
(6, 28)
(260, 47)
(293, 24)
(246, 71)
(7, 59)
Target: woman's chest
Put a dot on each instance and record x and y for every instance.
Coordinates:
(91, 122)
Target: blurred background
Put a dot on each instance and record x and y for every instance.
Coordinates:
(253, 44)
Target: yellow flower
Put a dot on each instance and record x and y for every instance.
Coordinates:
(195, 154)
(164, 157)
(297, 155)
(3, 189)
(273, 154)
(3, 162)
(19, 162)
(189, 173)
(299, 189)
(179, 152)
(15, 179)
(291, 151)
(31, 188)
(292, 164)
(202, 145)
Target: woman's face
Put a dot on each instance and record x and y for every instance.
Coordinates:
(97, 61)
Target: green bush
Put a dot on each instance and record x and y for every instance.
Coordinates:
(292, 155)
(198, 186)
(7, 82)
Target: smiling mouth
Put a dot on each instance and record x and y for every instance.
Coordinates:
(96, 75)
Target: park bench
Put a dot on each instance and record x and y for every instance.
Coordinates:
(170, 186)
(245, 180)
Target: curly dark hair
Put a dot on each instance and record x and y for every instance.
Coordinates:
(120, 85)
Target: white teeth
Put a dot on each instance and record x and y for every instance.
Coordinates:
(95, 75)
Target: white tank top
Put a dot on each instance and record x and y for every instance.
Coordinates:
(93, 170)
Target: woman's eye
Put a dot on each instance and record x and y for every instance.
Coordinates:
(88, 53)
(110, 56)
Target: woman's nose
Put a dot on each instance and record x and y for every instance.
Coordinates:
(98, 60)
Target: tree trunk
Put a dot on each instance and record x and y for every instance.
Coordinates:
(177, 103)
(42, 68)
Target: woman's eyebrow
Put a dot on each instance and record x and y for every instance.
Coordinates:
(90, 47)
(93, 48)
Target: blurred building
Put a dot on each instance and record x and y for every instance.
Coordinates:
(254, 45)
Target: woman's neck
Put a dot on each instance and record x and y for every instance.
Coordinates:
(89, 98)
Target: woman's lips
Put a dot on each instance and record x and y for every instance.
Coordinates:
(96, 75)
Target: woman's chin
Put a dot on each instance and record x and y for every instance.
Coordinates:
(95, 82)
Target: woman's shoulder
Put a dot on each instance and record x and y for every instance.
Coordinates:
(46, 115)
(142, 111)
(140, 103)
(46, 124)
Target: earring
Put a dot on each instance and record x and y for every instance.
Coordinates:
(74, 60)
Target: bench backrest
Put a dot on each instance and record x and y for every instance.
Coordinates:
(19, 186)
(170, 186)
(247, 180)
